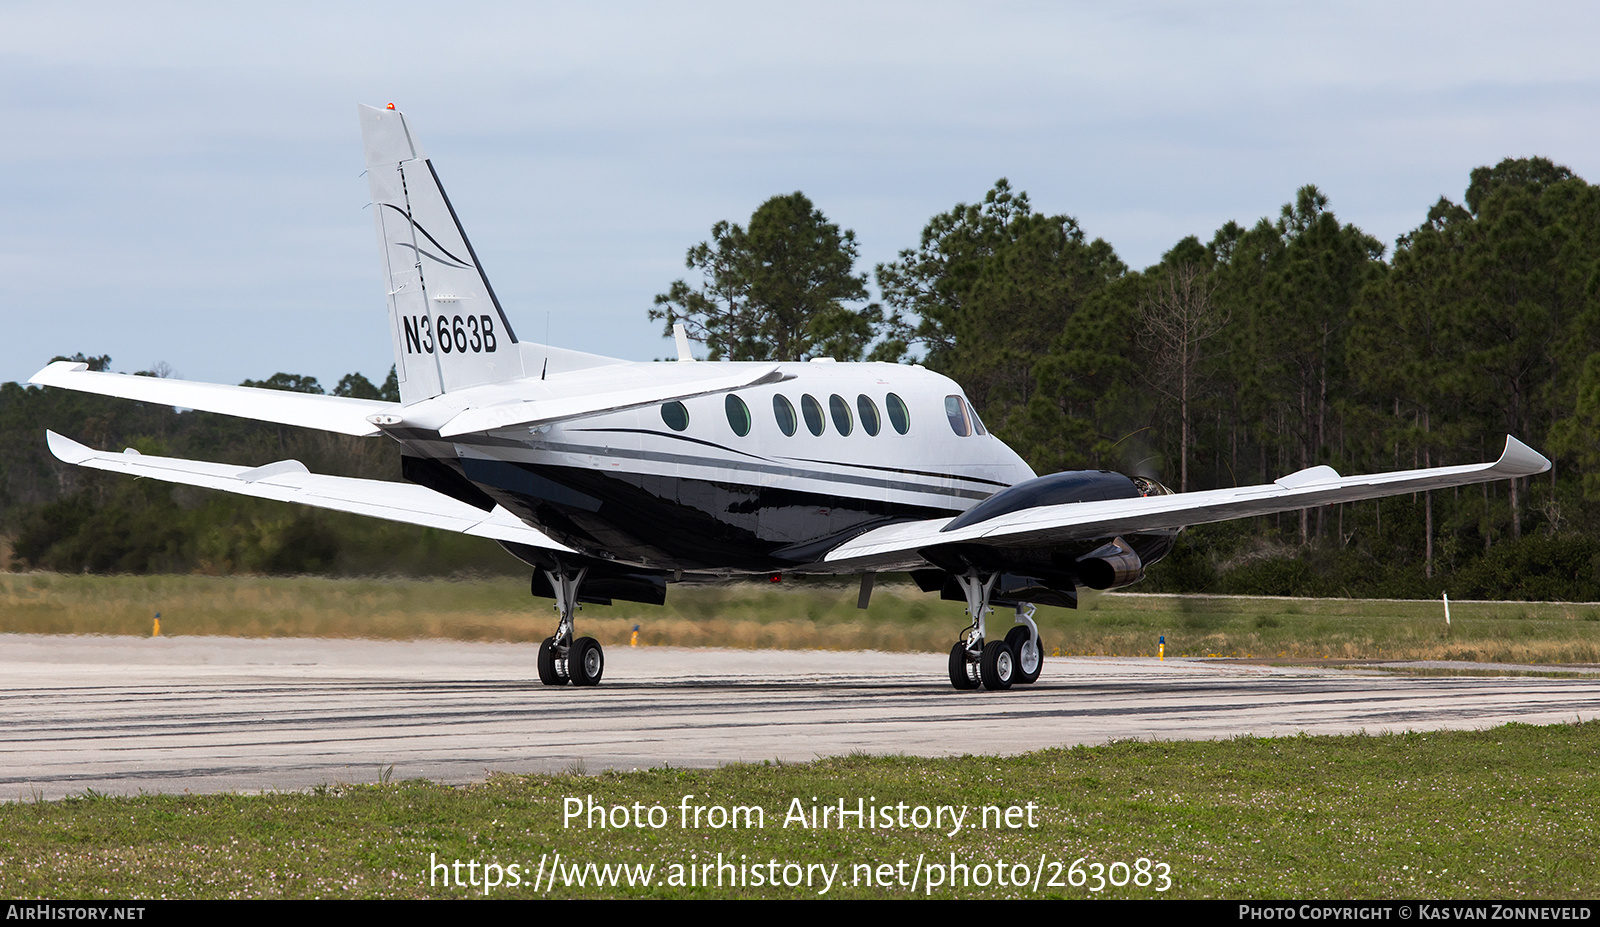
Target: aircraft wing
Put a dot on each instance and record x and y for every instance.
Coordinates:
(290, 481)
(896, 546)
(606, 389)
(327, 413)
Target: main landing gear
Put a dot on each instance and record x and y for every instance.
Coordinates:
(562, 659)
(993, 664)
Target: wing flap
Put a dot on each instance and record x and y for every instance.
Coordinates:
(290, 481)
(1051, 524)
(325, 413)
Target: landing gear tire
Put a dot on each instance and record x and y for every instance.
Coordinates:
(998, 667)
(548, 674)
(586, 662)
(960, 675)
(1029, 660)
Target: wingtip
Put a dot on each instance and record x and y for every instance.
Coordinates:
(47, 375)
(66, 449)
(1518, 459)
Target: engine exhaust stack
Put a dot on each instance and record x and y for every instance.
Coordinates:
(1110, 567)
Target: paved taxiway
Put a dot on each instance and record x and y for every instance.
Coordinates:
(123, 714)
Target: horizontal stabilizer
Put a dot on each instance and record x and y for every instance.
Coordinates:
(289, 481)
(896, 546)
(307, 410)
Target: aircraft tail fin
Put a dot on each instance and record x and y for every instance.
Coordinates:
(448, 329)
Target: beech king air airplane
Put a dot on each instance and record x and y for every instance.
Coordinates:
(613, 478)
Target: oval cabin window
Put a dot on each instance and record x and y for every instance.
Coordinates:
(870, 423)
(738, 415)
(841, 414)
(783, 411)
(675, 415)
(899, 415)
(812, 410)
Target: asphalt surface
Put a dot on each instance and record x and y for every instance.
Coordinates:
(203, 714)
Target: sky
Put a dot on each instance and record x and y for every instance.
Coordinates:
(181, 184)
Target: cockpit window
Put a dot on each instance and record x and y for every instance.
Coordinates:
(976, 421)
(956, 411)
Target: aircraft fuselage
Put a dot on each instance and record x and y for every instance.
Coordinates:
(758, 480)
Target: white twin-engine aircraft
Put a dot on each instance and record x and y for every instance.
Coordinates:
(614, 478)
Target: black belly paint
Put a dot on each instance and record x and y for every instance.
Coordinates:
(673, 523)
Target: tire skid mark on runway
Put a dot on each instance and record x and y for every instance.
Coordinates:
(286, 726)
(1020, 704)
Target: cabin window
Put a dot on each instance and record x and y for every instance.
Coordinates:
(899, 415)
(812, 410)
(956, 411)
(841, 414)
(870, 423)
(675, 415)
(783, 411)
(738, 415)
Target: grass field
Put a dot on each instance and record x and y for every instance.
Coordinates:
(1504, 813)
(805, 615)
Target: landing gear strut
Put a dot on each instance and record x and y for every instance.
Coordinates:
(562, 659)
(966, 657)
(993, 664)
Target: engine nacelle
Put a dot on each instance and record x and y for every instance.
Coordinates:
(1055, 489)
(1051, 576)
(1111, 566)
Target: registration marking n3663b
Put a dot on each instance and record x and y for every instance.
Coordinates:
(471, 334)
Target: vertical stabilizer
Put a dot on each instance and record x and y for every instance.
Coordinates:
(449, 332)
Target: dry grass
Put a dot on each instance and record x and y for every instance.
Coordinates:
(792, 616)
(803, 615)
